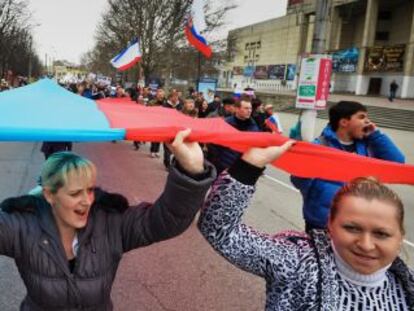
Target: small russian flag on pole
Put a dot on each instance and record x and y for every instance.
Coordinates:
(128, 57)
(195, 25)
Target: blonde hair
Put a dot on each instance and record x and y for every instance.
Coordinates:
(369, 188)
(55, 171)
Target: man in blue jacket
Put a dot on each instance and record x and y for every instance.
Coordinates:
(350, 130)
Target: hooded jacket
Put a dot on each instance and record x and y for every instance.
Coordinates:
(28, 233)
(318, 193)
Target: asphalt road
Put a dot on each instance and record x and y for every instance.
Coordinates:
(183, 273)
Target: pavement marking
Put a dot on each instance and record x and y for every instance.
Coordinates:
(281, 183)
(296, 190)
(408, 243)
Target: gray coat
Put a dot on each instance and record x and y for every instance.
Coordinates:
(28, 234)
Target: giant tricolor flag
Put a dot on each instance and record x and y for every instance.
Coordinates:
(44, 111)
(195, 25)
(128, 57)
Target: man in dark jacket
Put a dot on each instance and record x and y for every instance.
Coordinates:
(349, 130)
(173, 102)
(226, 109)
(158, 100)
(223, 157)
(49, 148)
(393, 90)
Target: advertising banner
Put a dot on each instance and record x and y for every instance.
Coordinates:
(345, 60)
(276, 72)
(314, 80)
(385, 59)
(394, 58)
(248, 71)
(291, 72)
(207, 87)
(237, 71)
(261, 72)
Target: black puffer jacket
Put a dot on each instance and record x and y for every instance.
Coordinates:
(29, 235)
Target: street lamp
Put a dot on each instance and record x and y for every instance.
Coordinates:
(30, 59)
(29, 71)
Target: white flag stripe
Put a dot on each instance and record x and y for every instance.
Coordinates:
(129, 55)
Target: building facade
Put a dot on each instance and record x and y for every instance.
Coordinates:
(371, 43)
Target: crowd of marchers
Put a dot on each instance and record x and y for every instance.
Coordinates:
(68, 237)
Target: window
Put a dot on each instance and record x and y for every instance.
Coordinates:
(382, 36)
(258, 44)
(247, 46)
(384, 15)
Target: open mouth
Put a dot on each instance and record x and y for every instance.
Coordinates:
(81, 213)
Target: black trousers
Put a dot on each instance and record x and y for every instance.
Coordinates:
(167, 156)
(155, 147)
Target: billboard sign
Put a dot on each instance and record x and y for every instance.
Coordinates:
(276, 71)
(385, 59)
(238, 71)
(394, 58)
(261, 72)
(345, 60)
(207, 87)
(248, 71)
(314, 81)
(291, 72)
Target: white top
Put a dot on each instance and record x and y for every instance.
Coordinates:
(368, 292)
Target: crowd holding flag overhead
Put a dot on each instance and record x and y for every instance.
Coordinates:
(119, 118)
(195, 26)
(128, 57)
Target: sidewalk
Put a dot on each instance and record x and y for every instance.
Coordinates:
(400, 104)
(377, 101)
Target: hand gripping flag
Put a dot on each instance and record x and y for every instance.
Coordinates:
(44, 111)
(195, 25)
(128, 57)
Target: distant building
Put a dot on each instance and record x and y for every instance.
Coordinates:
(65, 71)
(371, 42)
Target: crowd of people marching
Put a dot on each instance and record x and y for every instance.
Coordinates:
(67, 240)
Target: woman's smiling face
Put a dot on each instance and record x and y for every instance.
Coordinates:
(366, 233)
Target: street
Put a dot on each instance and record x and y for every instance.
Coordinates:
(183, 273)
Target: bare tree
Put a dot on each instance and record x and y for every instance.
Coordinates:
(159, 25)
(16, 40)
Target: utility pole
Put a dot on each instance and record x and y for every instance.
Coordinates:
(29, 74)
(46, 67)
(199, 66)
(318, 47)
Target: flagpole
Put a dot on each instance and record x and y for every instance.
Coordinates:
(199, 66)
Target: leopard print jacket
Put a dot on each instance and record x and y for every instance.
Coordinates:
(299, 269)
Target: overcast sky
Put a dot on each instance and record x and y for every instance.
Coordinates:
(65, 28)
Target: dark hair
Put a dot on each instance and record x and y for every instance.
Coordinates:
(243, 98)
(343, 110)
(256, 102)
(368, 188)
(228, 101)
